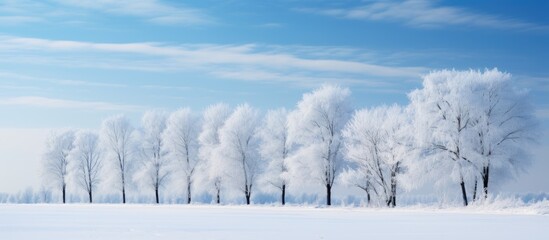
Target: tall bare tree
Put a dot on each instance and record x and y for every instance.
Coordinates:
(275, 148)
(154, 169)
(86, 155)
(116, 136)
(181, 138)
(56, 160)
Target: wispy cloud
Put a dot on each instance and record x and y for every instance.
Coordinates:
(165, 87)
(35, 101)
(17, 87)
(13, 20)
(425, 14)
(210, 58)
(65, 82)
(298, 79)
(152, 11)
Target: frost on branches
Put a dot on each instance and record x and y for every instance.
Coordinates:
(86, 156)
(238, 142)
(275, 148)
(212, 173)
(117, 138)
(56, 160)
(155, 166)
(470, 122)
(463, 131)
(315, 126)
(378, 142)
(181, 141)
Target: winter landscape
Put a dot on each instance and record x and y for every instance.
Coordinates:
(312, 119)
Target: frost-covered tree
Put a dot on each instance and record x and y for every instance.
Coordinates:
(315, 126)
(443, 117)
(275, 148)
(504, 125)
(155, 166)
(453, 112)
(239, 144)
(87, 156)
(358, 177)
(214, 117)
(56, 160)
(117, 139)
(378, 141)
(181, 138)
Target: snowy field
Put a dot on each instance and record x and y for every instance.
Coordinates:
(263, 222)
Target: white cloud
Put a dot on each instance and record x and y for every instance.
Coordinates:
(35, 101)
(78, 11)
(65, 82)
(164, 87)
(11, 20)
(425, 14)
(204, 57)
(151, 10)
(297, 79)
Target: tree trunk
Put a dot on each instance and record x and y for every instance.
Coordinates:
(247, 199)
(392, 197)
(123, 178)
(90, 195)
(485, 178)
(64, 189)
(248, 193)
(328, 194)
(123, 194)
(218, 196)
(475, 190)
(464, 193)
(368, 198)
(283, 198)
(156, 194)
(188, 190)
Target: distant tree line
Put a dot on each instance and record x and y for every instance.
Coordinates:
(462, 130)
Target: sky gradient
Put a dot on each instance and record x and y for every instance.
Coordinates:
(71, 63)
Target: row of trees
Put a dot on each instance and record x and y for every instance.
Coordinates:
(461, 128)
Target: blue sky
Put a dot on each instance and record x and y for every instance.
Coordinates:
(70, 63)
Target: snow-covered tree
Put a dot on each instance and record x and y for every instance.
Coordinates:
(443, 117)
(213, 119)
(316, 127)
(56, 160)
(87, 156)
(275, 148)
(451, 115)
(378, 141)
(504, 125)
(155, 166)
(117, 139)
(181, 138)
(239, 144)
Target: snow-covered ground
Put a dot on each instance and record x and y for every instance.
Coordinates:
(264, 222)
